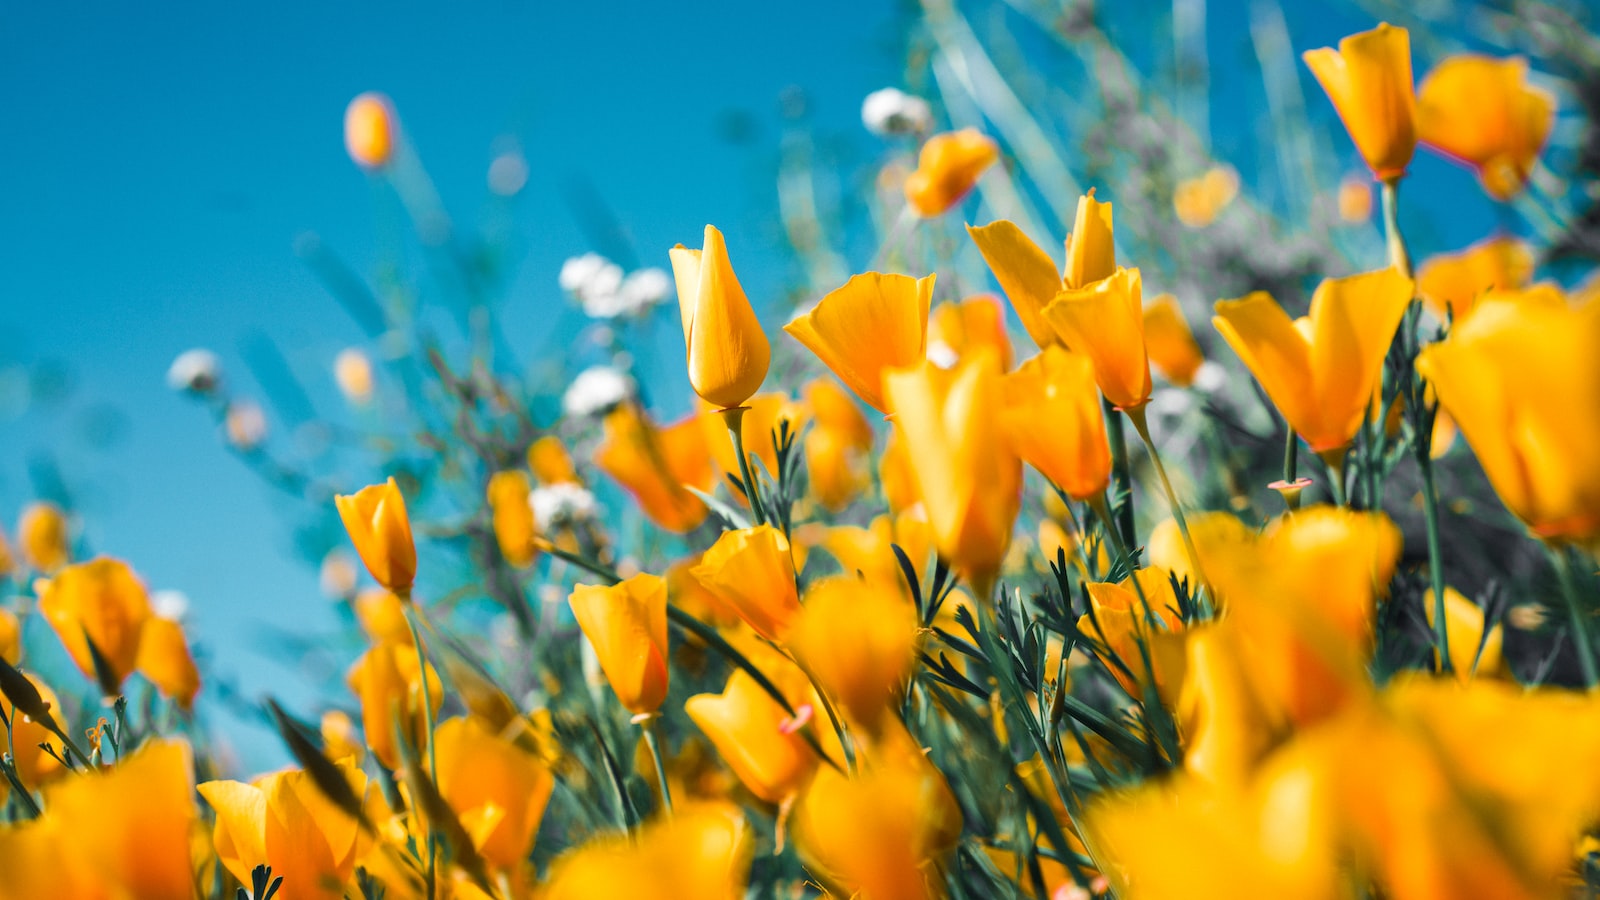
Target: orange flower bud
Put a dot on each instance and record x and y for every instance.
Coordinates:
(42, 535)
(728, 351)
(369, 130)
(512, 515)
(626, 623)
(1369, 81)
(947, 169)
(376, 520)
(874, 323)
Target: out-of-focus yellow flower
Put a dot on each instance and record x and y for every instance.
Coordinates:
(882, 832)
(627, 625)
(859, 640)
(10, 636)
(1169, 342)
(101, 601)
(947, 169)
(43, 538)
(352, 371)
(687, 593)
(550, 463)
(1521, 380)
(1105, 321)
(895, 474)
(284, 821)
(832, 408)
(1482, 111)
(127, 829)
(1452, 283)
(1464, 626)
(370, 130)
(1140, 610)
(34, 765)
(754, 735)
(336, 577)
(874, 323)
(703, 851)
(1053, 420)
(836, 471)
(965, 470)
(1321, 371)
(512, 517)
(1355, 199)
(164, 658)
(867, 551)
(1229, 724)
(728, 351)
(1369, 81)
(382, 616)
(751, 571)
(957, 329)
(376, 519)
(339, 738)
(1199, 200)
(1212, 532)
(654, 465)
(388, 681)
(497, 789)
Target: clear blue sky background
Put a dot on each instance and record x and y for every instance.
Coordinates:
(157, 162)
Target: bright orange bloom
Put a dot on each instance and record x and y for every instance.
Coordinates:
(550, 463)
(1355, 199)
(340, 741)
(1482, 111)
(728, 351)
(1105, 321)
(376, 519)
(1452, 283)
(957, 329)
(34, 765)
(511, 514)
(832, 409)
(895, 474)
(1322, 370)
(101, 601)
(284, 821)
(947, 168)
(164, 658)
(868, 552)
(1369, 81)
(837, 445)
(752, 572)
(370, 131)
(749, 730)
(1198, 201)
(626, 623)
(1169, 341)
(43, 537)
(654, 465)
(487, 778)
(10, 636)
(873, 324)
(859, 641)
(1519, 379)
(964, 469)
(1027, 274)
(1054, 421)
(703, 852)
(388, 681)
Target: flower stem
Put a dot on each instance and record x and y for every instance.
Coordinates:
(1142, 426)
(412, 612)
(734, 416)
(1291, 463)
(1119, 469)
(1399, 255)
(1335, 462)
(647, 724)
(1580, 628)
(1430, 519)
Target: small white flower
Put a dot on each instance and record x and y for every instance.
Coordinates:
(197, 370)
(170, 605)
(556, 506)
(645, 288)
(595, 390)
(245, 424)
(578, 271)
(508, 173)
(893, 111)
(1210, 377)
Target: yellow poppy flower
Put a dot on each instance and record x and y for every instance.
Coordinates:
(859, 641)
(387, 679)
(947, 169)
(627, 625)
(957, 329)
(511, 515)
(752, 572)
(487, 778)
(370, 130)
(1169, 342)
(654, 464)
(1369, 81)
(550, 463)
(1452, 283)
(43, 537)
(728, 351)
(101, 601)
(1054, 421)
(1105, 321)
(1464, 627)
(376, 519)
(164, 658)
(1482, 111)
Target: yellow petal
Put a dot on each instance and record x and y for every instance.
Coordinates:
(1481, 111)
(1274, 351)
(752, 572)
(1091, 252)
(1369, 81)
(627, 625)
(1353, 321)
(1026, 274)
(1452, 283)
(164, 658)
(947, 168)
(1105, 320)
(873, 323)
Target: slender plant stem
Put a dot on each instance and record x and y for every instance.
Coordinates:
(1580, 627)
(1335, 462)
(1120, 472)
(1430, 519)
(1399, 255)
(1291, 465)
(412, 613)
(1142, 426)
(735, 419)
(648, 726)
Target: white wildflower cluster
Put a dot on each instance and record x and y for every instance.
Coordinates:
(892, 111)
(606, 293)
(597, 389)
(557, 506)
(197, 371)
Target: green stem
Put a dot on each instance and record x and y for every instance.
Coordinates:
(1335, 462)
(1140, 425)
(1580, 627)
(648, 725)
(735, 419)
(1430, 518)
(1291, 465)
(1399, 255)
(412, 613)
(1119, 470)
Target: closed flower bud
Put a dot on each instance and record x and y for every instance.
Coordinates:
(370, 130)
(626, 623)
(728, 351)
(376, 520)
(947, 169)
(511, 515)
(1369, 81)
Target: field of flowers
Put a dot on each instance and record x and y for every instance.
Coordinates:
(1280, 584)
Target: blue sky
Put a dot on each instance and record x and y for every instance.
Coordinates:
(157, 167)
